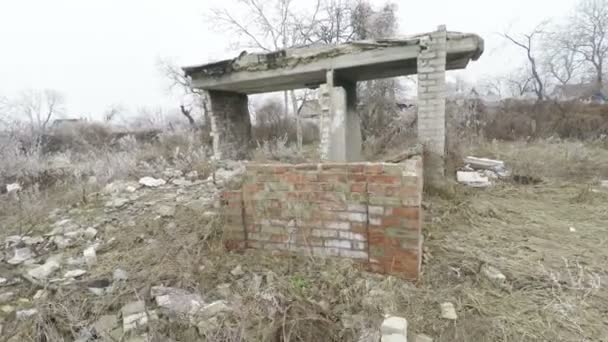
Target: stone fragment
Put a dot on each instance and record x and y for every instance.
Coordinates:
(21, 255)
(74, 273)
(393, 338)
(41, 295)
(62, 242)
(42, 272)
(394, 325)
(237, 271)
(214, 308)
(14, 187)
(117, 203)
(448, 311)
(134, 315)
(181, 182)
(120, 275)
(104, 325)
(6, 297)
(165, 210)
(90, 233)
(152, 182)
(34, 240)
(90, 256)
(493, 274)
(24, 314)
(472, 179)
(423, 338)
(7, 309)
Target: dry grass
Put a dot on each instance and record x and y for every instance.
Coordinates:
(555, 288)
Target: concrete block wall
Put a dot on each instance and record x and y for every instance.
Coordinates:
(368, 212)
(431, 98)
(230, 125)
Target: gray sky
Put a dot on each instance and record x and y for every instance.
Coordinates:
(103, 52)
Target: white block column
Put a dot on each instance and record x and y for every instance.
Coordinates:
(431, 100)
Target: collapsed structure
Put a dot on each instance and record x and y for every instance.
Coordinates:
(335, 70)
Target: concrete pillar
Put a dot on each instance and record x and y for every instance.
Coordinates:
(431, 100)
(230, 125)
(340, 127)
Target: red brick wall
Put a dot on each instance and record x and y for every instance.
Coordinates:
(369, 212)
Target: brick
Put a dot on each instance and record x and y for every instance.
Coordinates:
(327, 233)
(333, 177)
(338, 244)
(359, 208)
(374, 169)
(384, 179)
(360, 245)
(352, 236)
(407, 212)
(358, 187)
(325, 252)
(337, 225)
(375, 210)
(353, 217)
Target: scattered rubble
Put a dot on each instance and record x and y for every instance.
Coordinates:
(74, 273)
(473, 179)
(394, 329)
(21, 255)
(177, 301)
(99, 287)
(117, 203)
(152, 182)
(44, 271)
(24, 314)
(90, 256)
(604, 183)
(14, 187)
(120, 275)
(237, 271)
(135, 315)
(448, 311)
(493, 274)
(6, 297)
(423, 338)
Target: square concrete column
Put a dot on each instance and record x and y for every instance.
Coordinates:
(230, 125)
(431, 100)
(340, 125)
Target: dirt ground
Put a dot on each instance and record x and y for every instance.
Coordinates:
(549, 240)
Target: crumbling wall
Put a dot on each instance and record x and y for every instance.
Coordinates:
(368, 212)
(230, 125)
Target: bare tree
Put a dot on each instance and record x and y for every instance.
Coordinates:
(112, 112)
(192, 98)
(562, 63)
(527, 43)
(38, 108)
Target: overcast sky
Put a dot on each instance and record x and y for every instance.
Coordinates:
(104, 52)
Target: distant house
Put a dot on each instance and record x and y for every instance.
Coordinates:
(586, 92)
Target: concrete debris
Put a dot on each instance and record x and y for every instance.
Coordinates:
(423, 338)
(214, 308)
(7, 309)
(393, 338)
(177, 302)
(62, 242)
(41, 295)
(42, 272)
(99, 287)
(165, 210)
(6, 297)
(394, 325)
(74, 273)
(572, 230)
(192, 175)
(14, 187)
(604, 183)
(181, 182)
(120, 275)
(24, 314)
(117, 203)
(12, 241)
(493, 274)
(90, 233)
(105, 325)
(172, 173)
(90, 256)
(35, 240)
(135, 315)
(3, 281)
(448, 311)
(473, 179)
(484, 163)
(130, 189)
(237, 271)
(21, 255)
(152, 182)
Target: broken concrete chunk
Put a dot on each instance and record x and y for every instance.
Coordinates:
(181, 182)
(152, 182)
(604, 183)
(105, 324)
(90, 233)
(120, 275)
(7, 309)
(165, 210)
(74, 273)
(448, 311)
(90, 256)
(62, 242)
(6, 297)
(14, 187)
(41, 295)
(134, 315)
(117, 203)
(44, 271)
(493, 274)
(237, 271)
(394, 325)
(24, 314)
(473, 179)
(21, 255)
(484, 163)
(214, 308)
(423, 338)
(393, 338)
